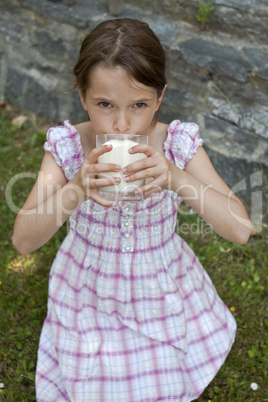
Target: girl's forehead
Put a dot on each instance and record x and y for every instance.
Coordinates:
(105, 79)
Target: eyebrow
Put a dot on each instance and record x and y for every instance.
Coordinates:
(134, 100)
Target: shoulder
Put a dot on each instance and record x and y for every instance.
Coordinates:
(178, 129)
(182, 142)
(61, 135)
(64, 143)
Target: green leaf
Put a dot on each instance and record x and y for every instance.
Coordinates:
(19, 345)
(216, 389)
(18, 379)
(204, 12)
(31, 376)
(256, 278)
(33, 140)
(31, 365)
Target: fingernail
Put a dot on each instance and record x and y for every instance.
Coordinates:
(130, 150)
(118, 167)
(117, 180)
(124, 170)
(127, 178)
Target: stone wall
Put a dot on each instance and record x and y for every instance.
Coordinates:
(217, 78)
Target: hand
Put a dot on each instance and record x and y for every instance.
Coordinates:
(155, 166)
(87, 178)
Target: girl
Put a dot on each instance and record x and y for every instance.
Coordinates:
(132, 315)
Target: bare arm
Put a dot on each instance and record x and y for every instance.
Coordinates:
(204, 190)
(53, 199)
(200, 186)
(50, 203)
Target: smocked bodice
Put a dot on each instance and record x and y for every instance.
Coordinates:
(128, 226)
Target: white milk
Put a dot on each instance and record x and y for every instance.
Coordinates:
(120, 156)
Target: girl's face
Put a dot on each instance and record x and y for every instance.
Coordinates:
(118, 105)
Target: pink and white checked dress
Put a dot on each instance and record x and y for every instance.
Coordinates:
(132, 315)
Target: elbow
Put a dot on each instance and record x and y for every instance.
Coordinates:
(242, 227)
(20, 240)
(242, 239)
(20, 245)
(243, 235)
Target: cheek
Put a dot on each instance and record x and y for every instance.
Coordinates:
(145, 121)
(150, 115)
(101, 123)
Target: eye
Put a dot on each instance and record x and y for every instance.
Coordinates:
(105, 105)
(140, 105)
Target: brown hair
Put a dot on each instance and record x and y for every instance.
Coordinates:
(127, 43)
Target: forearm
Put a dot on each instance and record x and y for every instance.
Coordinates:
(34, 227)
(225, 214)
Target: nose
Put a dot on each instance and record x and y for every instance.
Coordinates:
(121, 123)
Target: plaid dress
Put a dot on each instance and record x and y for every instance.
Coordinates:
(132, 314)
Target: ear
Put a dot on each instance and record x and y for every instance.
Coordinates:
(161, 97)
(82, 98)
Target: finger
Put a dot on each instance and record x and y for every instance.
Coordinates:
(142, 164)
(155, 159)
(104, 181)
(153, 185)
(96, 152)
(102, 201)
(146, 149)
(144, 174)
(102, 167)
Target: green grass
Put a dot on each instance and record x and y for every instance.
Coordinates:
(238, 272)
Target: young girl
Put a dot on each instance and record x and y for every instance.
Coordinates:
(132, 315)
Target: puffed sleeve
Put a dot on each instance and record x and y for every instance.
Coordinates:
(64, 144)
(182, 142)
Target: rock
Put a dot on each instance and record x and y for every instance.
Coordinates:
(116, 7)
(226, 111)
(77, 114)
(263, 74)
(1, 58)
(255, 121)
(27, 93)
(244, 19)
(167, 32)
(222, 60)
(259, 62)
(256, 58)
(69, 3)
(13, 31)
(237, 173)
(233, 140)
(80, 14)
(175, 97)
(167, 115)
(48, 45)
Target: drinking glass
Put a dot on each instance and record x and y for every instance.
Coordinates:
(119, 155)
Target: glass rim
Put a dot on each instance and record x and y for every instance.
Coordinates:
(101, 138)
(120, 135)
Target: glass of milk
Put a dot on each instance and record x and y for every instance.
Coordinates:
(119, 155)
